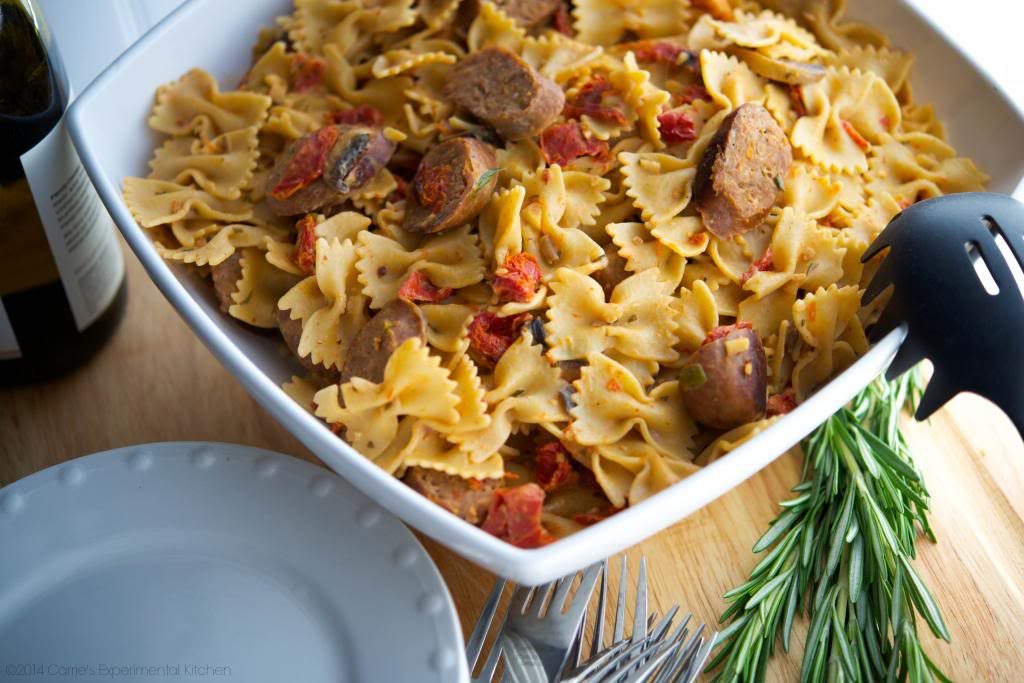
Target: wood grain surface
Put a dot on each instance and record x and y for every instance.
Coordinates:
(156, 382)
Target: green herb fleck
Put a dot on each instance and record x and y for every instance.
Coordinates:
(485, 178)
(692, 377)
(779, 183)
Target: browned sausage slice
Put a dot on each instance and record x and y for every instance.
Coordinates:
(470, 499)
(742, 171)
(291, 331)
(394, 324)
(226, 275)
(452, 184)
(351, 161)
(724, 383)
(505, 92)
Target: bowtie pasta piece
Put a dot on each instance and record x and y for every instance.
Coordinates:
(194, 104)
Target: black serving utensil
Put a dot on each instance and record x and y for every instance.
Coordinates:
(973, 337)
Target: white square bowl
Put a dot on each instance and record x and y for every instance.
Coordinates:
(108, 125)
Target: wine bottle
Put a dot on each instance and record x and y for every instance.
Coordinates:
(62, 284)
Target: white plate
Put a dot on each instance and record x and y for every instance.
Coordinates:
(177, 555)
(108, 125)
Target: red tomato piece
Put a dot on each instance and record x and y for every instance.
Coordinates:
(657, 51)
(796, 97)
(766, 262)
(305, 244)
(307, 72)
(563, 142)
(418, 287)
(363, 115)
(780, 404)
(562, 22)
(857, 138)
(490, 336)
(595, 516)
(308, 163)
(692, 93)
(553, 468)
(587, 101)
(676, 126)
(514, 516)
(517, 278)
(725, 330)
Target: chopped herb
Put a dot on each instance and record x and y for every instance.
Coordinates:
(485, 178)
(779, 183)
(692, 377)
(567, 393)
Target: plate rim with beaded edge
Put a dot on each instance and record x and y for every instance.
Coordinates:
(211, 562)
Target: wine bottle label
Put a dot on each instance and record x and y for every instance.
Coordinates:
(8, 342)
(80, 233)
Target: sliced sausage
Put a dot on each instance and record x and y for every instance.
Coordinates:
(499, 88)
(330, 164)
(453, 183)
(226, 275)
(394, 324)
(291, 332)
(468, 498)
(724, 383)
(741, 173)
(526, 13)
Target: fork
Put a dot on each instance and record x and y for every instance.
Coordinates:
(549, 620)
(650, 654)
(530, 631)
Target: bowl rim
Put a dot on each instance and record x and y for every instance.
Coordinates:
(527, 566)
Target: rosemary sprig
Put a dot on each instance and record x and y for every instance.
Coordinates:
(840, 551)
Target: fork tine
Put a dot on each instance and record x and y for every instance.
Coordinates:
(680, 665)
(664, 651)
(640, 608)
(598, 643)
(540, 598)
(576, 651)
(562, 592)
(581, 600)
(662, 627)
(701, 659)
(620, 605)
(483, 624)
(520, 598)
(594, 664)
(491, 665)
(641, 648)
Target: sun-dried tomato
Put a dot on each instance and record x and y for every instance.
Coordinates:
(596, 515)
(796, 97)
(305, 244)
(588, 101)
(676, 126)
(766, 262)
(307, 164)
(552, 466)
(517, 278)
(563, 142)
(857, 138)
(418, 287)
(363, 115)
(430, 185)
(515, 515)
(780, 404)
(562, 21)
(656, 51)
(726, 330)
(306, 72)
(691, 93)
(490, 336)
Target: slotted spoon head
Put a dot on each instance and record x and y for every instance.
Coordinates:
(974, 338)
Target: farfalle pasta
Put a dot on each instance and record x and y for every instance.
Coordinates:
(548, 257)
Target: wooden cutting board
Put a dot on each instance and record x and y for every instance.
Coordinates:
(156, 382)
